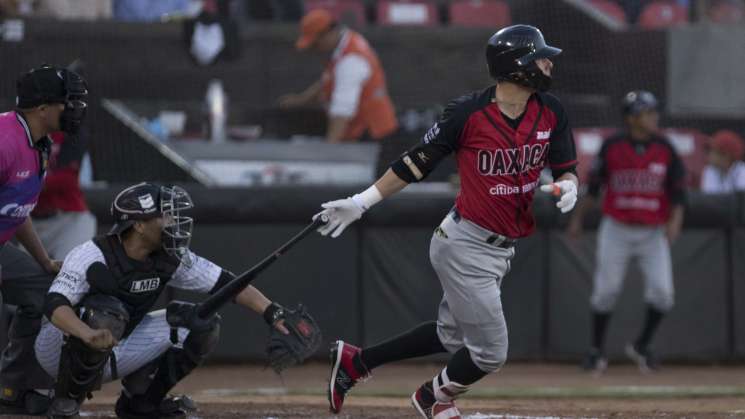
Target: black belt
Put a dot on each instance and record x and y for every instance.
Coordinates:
(505, 242)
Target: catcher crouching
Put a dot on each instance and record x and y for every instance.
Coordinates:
(99, 327)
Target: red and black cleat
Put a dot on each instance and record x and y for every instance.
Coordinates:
(346, 370)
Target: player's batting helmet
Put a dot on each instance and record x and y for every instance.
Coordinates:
(511, 54)
(638, 101)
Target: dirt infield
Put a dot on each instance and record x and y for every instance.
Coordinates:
(519, 391)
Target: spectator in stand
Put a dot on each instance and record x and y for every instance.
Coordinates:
(61, 217)
(725, 172)
(149, 10)
(73, 9)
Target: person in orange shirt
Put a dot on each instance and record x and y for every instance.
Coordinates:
(352, 87)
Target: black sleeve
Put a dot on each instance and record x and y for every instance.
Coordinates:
(562, 155)
(598, 172)
(52, 301)
(676, 178)
(441, 140)
(225, 277)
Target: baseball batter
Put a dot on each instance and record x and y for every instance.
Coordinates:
(99, 326)
(48, 99)
(501, 137)
(643, 178)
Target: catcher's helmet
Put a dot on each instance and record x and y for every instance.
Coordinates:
(638, 101)
(511, 54)
(145, 201)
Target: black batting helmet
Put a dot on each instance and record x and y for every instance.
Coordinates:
(638, 101)
(511, 54)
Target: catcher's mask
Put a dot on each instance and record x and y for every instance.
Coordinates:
(146, 201)
(49, 84)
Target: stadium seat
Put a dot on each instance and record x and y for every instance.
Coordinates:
(407, 12)
(350, 12)
(663, 13)
(610, 9)
(480, 13)
(727, 11)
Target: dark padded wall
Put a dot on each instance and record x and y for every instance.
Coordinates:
(376, 280)
(695, 329)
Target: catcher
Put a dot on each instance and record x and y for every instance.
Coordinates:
(99, 326)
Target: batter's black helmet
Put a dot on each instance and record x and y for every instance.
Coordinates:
(638, 101)
(511, 54)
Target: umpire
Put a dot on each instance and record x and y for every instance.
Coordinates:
(48, 99)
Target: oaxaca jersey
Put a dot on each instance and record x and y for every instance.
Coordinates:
(22, 167)
(641, 179)
(500, 160)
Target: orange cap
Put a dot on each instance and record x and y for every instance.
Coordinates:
(315, 23)
(728, 143)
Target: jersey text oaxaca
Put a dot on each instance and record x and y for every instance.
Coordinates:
(642, 179)
(500, 164)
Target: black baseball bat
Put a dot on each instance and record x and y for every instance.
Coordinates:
(228, 292)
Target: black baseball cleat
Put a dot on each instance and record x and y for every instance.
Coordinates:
(64, 408)
(643, 357)
(346, 370)
(136, 407)
(25, 402)
(428, 407)
(595, 362)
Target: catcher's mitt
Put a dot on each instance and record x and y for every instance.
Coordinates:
(303, 340)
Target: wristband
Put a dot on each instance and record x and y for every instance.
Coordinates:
(368, 198)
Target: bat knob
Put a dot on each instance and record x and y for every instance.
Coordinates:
(324, 218)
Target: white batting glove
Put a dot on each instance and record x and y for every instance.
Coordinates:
(341, 213)
(567, 190)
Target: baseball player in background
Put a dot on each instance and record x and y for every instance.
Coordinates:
(644, 183)
(99, 326)
(48, 99)
(501, 137)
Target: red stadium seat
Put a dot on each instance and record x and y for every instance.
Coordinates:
(662, 14)
(689, 143)
(350, 12)
(480, 13)
(727, 11)
(610, 9)
(407, 12)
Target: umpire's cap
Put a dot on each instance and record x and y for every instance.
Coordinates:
(638, 101)
(48, 84)
(512, 52)
(137, 202)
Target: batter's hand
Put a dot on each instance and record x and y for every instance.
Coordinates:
(341, 213)
(567, 190)
(99, 339)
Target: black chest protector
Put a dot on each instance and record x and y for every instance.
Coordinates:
(136, 284)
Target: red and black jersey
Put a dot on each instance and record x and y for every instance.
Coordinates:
(500, 160)
(641, 179)
(61, 190)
